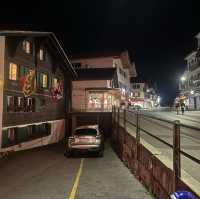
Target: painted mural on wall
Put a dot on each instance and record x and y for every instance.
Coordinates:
(57, 91)
(28, 83)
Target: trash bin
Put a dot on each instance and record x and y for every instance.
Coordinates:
(182, 195)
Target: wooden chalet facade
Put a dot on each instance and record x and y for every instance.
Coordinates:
(35, 89)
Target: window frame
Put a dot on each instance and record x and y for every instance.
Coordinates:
(42, 58)
(41, 80)
(11, 70)
(27, 47)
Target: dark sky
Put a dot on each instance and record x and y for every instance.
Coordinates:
(157, 33)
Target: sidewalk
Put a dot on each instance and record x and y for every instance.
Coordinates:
(108, 178)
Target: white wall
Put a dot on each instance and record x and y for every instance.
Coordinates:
(125, 81)
(79, 94)
(57, 134)
(99, 62)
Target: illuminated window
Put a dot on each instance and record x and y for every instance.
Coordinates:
(44, 81)
(55, 82)
(26, 45)
(41, 55)
(13, 71)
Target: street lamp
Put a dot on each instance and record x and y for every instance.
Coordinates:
(183, 78)
(191, 92)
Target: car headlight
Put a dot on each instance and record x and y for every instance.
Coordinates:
(98, 140)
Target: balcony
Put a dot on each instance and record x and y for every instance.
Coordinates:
(194, 65)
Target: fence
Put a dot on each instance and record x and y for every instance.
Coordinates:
(132, 131)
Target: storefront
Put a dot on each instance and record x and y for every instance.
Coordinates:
(101, 99)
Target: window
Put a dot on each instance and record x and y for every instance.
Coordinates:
(124, 74)
(11, 134)
(41, 54)
(10, 103)
(30, 104)
(13, 71)
(44, 81)
(24, 71)
(19, 104)
(29, 101)
(26, 45)
(120, 71)
(55, 82)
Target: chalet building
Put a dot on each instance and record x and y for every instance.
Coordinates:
(144, 95)
(35, 89)
(189, 85)
(107, 84)
(95, 90)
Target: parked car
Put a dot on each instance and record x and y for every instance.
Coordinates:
(86, 139)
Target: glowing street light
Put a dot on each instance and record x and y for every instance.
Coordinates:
(183, 78)
(192, 92)
(158, 100)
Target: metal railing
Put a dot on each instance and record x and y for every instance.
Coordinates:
(120, 115)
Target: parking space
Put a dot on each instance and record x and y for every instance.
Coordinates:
(45, 173)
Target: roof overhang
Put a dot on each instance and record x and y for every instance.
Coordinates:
(189, 56)
(96, 73)
(52, 38)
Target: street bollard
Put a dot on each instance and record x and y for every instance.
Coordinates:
(176, 155)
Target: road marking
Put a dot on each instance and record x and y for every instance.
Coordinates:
(76, 182)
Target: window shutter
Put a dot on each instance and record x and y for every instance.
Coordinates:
(41, 80)
(26, 71)
(38, 80)
(50, 81)
(21, 71)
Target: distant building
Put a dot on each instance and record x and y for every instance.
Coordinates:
(35, 89)
(143, 95)
(108, 81)
(189, 84)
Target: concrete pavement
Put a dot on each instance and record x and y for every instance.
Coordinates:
(44, 173)
(108, 178)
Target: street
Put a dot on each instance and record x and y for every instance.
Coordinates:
(190, 139)
(46, 173)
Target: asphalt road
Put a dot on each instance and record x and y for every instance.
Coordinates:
(44, 173)
(190, 139)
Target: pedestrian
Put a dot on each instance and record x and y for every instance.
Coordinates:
(177, 105)
(182, 107)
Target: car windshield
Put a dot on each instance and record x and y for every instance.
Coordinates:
(86, 131)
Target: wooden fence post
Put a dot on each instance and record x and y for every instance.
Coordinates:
(137, 154)
(176, 155)
(125, 120)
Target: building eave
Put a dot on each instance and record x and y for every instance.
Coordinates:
(52, 37)
(193, 53)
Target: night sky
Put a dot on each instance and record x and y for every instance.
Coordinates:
(157, 33)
